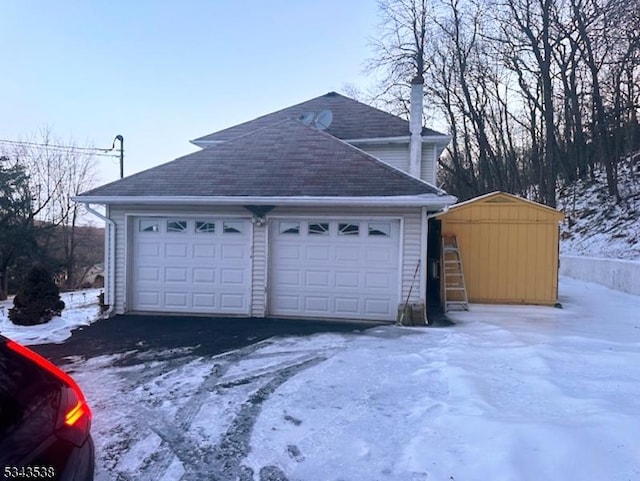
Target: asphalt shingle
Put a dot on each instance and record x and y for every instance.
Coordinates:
(352, 120)
(285, 158)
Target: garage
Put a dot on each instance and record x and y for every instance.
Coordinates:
(325, 268)
(191, 265)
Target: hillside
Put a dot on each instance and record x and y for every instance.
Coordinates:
(595, 225)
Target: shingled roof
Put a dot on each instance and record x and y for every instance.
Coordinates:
(285, 159)
(352, 120)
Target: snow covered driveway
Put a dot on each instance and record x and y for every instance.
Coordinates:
(509, 393)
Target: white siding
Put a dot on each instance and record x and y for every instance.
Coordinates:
(411, 256)
(396, 155)
(428, 167)
(117, 215)
(259, 272)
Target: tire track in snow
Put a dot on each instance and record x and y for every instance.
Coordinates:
(226, 457)
(174, 443)
(222, 365)
(222, 461)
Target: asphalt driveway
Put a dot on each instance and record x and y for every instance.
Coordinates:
(162, 362)
(202, 336)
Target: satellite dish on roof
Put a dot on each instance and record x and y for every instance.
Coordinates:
(323, 120)
(307, 118)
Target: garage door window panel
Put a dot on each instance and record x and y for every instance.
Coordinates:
(348, 229)
(379, 229)
(318, 228)
(289, 228)
(203, 227)
(232, 227)
(178, 226)
(149, 226)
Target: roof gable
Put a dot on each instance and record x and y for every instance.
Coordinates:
(505, 199)
(283, 159)
(352, 120)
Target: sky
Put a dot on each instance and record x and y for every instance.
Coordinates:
(164, 72)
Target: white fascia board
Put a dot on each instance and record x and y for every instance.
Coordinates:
(436, 139)
(430, 200)
(379, 140)
(426, 139)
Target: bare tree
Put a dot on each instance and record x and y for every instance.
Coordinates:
(534, 92)
(57, 171)
(79, 176)
(400, 50)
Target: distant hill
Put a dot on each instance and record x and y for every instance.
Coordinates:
(595, 225)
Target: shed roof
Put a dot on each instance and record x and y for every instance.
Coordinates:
(352, 120)
(504, 198)
(284, 159)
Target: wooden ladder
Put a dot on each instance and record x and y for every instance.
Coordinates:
(455, 291)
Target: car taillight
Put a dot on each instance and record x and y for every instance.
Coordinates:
(75, 415)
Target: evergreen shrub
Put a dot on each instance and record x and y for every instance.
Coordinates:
(38, 300)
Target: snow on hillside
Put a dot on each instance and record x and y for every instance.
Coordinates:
(595, 225)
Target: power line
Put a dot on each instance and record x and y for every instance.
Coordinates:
(94, 151)
(93, 154)
(113, 156)
(54, 146)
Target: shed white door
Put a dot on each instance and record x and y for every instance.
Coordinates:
(183, 265)
(335, 269)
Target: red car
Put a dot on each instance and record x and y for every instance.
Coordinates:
(44, 419)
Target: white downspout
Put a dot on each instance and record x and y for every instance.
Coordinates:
(416, 100)
(109, 260)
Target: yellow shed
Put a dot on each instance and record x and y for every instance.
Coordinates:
(509, 248)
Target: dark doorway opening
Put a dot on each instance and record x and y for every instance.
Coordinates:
(434, 246)
(435, 313)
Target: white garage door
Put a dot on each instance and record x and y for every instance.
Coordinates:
(336, 269)
(185, 265)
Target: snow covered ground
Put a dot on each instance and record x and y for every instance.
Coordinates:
(81, 309)
(508, 393)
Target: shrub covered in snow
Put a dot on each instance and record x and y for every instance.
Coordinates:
(38, 300)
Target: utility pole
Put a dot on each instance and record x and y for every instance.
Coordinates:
(121, 139)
